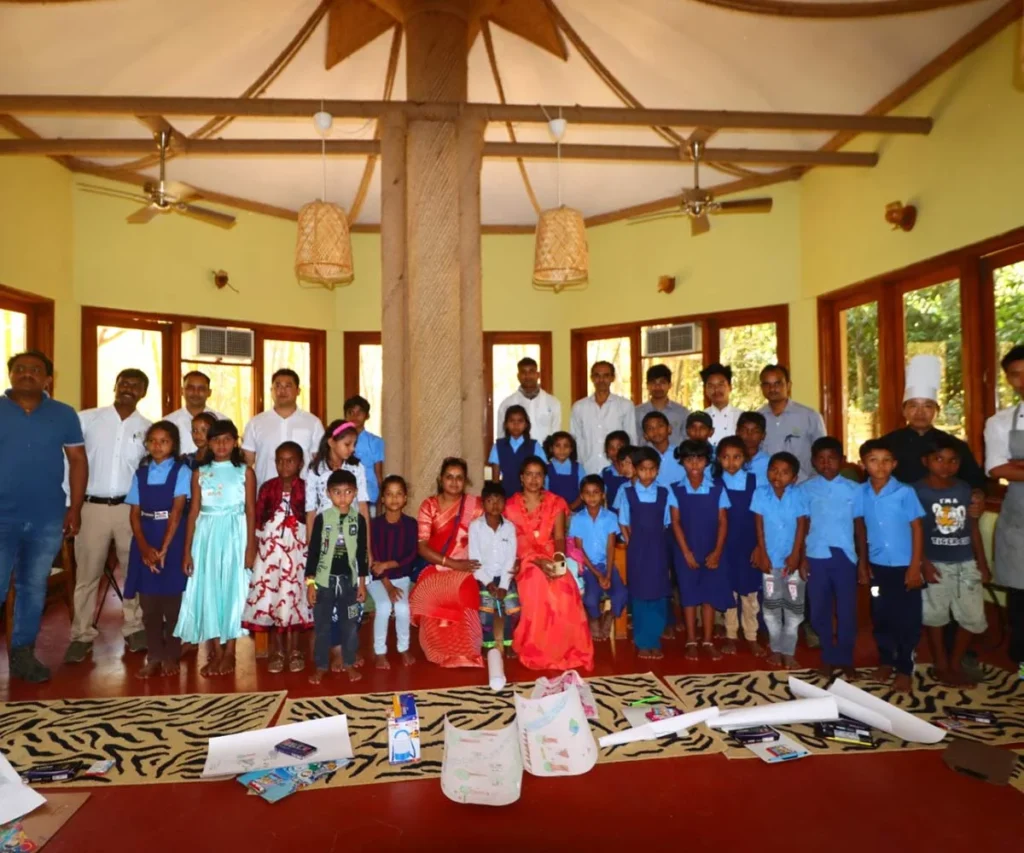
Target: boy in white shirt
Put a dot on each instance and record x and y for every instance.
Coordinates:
(492, 543)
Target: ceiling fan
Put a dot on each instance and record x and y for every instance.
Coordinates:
(164, 196)
(697, 203)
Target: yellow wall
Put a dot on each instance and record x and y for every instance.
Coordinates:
(36, 254)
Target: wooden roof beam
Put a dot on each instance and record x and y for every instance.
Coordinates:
(304, 108)
(363, 147)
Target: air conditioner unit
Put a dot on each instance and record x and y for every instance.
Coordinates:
(213, 343)
(682, 339)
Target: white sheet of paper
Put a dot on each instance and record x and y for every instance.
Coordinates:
(905, 725)
(16, 798)
(481, 767)
(233, 755)
(550, 686)
(554, 735)
(778, 714)
(653, 731)
(804, 690)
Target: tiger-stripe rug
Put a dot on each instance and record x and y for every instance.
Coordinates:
(151, 739)
(481, 708)
(1002, 694)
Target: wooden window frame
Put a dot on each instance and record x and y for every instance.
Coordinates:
(974, 265)
(170, 326)
(541, 339)
(711, 327)
(38, 310)
(350, 353)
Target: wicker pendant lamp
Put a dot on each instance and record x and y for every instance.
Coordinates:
(561, 258)
(323, 250)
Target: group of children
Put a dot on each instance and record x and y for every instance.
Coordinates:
(726, 529)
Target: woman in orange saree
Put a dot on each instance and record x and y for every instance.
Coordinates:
(553, 631)
(445, 602)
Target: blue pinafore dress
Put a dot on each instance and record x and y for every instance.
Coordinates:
(510, 463)
(155, 503)
(698, 516)
(566, 486)
(742, 540)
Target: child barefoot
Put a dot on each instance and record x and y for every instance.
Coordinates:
(220, 548)
(277, 601)
(508, 453)
(393, 536)
(158, 495)
(336, 570)
(595, 530)
(492, 543)
(565, 473)
(781, 519)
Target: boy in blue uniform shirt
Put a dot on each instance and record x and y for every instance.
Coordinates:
(780, 517)
(369, 448)
(895, 536)
(658, 434)
(594, 531)
(751, 429)
(835, 538)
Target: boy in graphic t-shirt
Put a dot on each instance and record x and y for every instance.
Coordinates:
(954, 565)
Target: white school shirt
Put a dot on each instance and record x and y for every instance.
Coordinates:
(114, 448)
(495, 549)
(268, 430)
(544, 410)
(997, 436)
(591, 423)
(317, 499)
(182, 419)
(724, 421)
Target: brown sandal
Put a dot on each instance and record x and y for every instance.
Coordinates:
(276, 662)
(712, 651)
(297, 661)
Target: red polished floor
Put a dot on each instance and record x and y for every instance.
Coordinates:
(908, 801)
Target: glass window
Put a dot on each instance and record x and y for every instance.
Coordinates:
(231, 389)
(858, 350)
(13, 334)
(931, 323)
(290, 354)
(117, 349)
(504, 370)
(618, 352)
(747, 349)
(1009, 301)
(371, 380)
(686, 388)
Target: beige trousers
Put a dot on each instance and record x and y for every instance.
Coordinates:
(100, 525)
(746, 612)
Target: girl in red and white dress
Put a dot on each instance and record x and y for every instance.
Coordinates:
(277, 593)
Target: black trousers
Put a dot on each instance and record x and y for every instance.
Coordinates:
(1015, 615)
(340, 594)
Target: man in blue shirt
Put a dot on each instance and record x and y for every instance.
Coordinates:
(789, 426)
(36, 433)
(892, 517)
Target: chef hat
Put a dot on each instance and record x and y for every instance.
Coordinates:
(924, 376)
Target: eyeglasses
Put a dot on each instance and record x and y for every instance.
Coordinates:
(33, 369)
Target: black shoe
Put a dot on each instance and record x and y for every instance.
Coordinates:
(136, 642)
(25, 666)
(77, 652)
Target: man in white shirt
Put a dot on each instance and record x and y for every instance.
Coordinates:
(115, 439)
(595, 416)
(195, 391)
(717, 379)
(543, 408)
(285, 422)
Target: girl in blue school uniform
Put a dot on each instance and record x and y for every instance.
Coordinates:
(612, 475)
(739, 559)
(699, 527)
(158, 495)
(564, 470)
(509, 453)
(644, 510)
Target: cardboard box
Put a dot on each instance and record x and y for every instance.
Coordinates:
(404, 731)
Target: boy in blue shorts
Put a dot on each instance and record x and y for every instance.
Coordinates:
(895, 537)
(594, 531)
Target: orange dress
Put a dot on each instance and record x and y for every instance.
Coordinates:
(552, 631)
(444, 604)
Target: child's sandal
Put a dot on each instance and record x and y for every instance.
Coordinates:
(688, 654)
(276, 662)
(712, 651)
(297, 661)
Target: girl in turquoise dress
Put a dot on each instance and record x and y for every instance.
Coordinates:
(220, 547)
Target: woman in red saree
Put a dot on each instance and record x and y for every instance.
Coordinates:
(445, 602)
(553, 631)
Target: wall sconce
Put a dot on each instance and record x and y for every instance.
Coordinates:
(901, 216)
(666, 283)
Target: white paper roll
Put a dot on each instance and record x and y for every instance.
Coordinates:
(653, 731)
(904, 725)
(778, 714)
(804, 690)
(495, 670)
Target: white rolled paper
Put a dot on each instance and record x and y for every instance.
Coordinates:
(495, 670)
(804, 690)
(778, 714)
(903, 724)
(653, 731)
